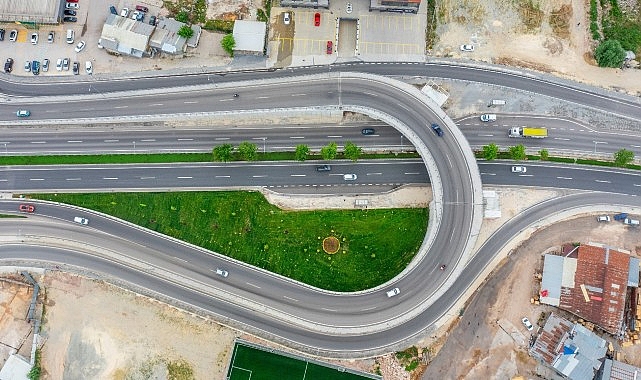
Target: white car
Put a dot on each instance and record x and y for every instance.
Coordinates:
(487, 117)
(467, 48)
(59, 64)
(222, 272)
(603, 218)
(124, 12)
(393, 292)
(89, 67)
(72, 6)
(527, 324)
(34, 38)
(349, 177)
(519, 169)
(287, 18)
(80, 46)
(81, 220)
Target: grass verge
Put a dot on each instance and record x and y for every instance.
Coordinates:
(376, 245)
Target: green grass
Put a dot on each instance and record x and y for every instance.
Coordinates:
(376, 245)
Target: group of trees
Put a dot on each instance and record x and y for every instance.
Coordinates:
(249, 152)
(491, 152)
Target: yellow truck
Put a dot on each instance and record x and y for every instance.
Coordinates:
(523, 132)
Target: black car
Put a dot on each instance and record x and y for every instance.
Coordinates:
(70, 19)
(437, 129)
(69, 12)
(1, 34)
(76, 68)
(368, 131)
(13, 35)
(8, 66)
(152, 20)
(323, 168)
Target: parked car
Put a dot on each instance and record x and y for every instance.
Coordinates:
(124, 12)
(70, 12)
(349, 177)
(113, 10)
(34, 38)
(72, 1)
(437, 129)
(71, 6)
(527, 324)
(50, 37)
(76, 68)
(323, 168)
(138, 16)
(59, 64)
(8, 65)
(467, 48)
(393, 292)
(367, 131)
(142, 8)
(330, 47)
(287, 18)
(27, 66)
(88, 67)
(603, 218)
(222, 272)
(70, 19)
(45, 65)
(1, 34)
(26, 207)
(317, 19)
(152, 20)
(23, 113)
(631, 222)
(65, 64)
(35, 67)
(519, 169)
(81, 220)
(13, 35)
(621, 216)
(80, 46)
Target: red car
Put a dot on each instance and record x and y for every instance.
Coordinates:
(330, 47)
(317, 19)
(72, 1)
(141, 8)
(27, 208)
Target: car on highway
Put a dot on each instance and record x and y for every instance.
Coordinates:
(519, 169)
(89, 67)
(393, 292)
(34, 38)
(487, 117)
(323, 168)
(81, 220)
(368, 131)
(50, 37)
(13, 35)
(26, 207)
(437, 129)
(222, 272)
(287, 18)
(70, 19)
(23, 113)
(80, 46)
(45, 65)
(330, 47)
(349, 177)
(8, 65)
(76, 68)
(317, 19)
(467, 48)
(527, 324)
(603, 218)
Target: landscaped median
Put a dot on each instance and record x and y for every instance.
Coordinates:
(373, 245)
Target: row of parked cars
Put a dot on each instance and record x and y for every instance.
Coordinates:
(138, 15)
(621, 217)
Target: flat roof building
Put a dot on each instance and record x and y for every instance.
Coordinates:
(122, 35)
(249, 37)
(31, 11)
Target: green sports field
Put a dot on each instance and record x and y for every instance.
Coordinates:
(254, 363)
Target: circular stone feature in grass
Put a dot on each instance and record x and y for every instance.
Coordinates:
(331, 245)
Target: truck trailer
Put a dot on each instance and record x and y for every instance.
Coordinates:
(537, 133)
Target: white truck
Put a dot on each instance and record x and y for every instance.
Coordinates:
(528, 132)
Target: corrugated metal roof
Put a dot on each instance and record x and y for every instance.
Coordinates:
(615, 370)
(552, 279)
(633, 273)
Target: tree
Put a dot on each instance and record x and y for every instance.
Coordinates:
(517, 152)
(352, 151)
(609, 53)
(623, 157)
(329, 151)
(182, 17)
(185, 31)
(223, 152)
(302, 152)
(544, 154)
(247, 151)
(490, 152)
(228, 43)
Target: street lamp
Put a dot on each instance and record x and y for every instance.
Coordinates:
(264, 139)
(134, 147)
(401, 143)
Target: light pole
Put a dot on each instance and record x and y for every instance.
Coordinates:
(134, 147)
(401, 143)
(264, 139)
(5, 150)
(598, 142)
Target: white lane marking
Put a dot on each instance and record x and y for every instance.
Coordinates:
(226, 100)
(74, 141)
(296, 137)
(121, 107)
(36, 179)
(636, 146)
(38, 142)
(369, 308)
(111, 140)
(334, 137)
(374, 174)
(184, 177)
(290, 298)
(601, 181)
(3, 180)
(412, 173)
(110, 178)
(223, 176)
(148, 140)
(299, 94)
(157, 104)
(259, 176)
(326, 309)
(298, 175)
(526, 175)
(221, 138)
(488, 173)
(561, 138)
(73, 179)
(147, 177)
(486, 135)
(180, 258)
(564, 177)
(190, 102)
(250, 284)
(636, 184)
(185, 139)
(262, 97)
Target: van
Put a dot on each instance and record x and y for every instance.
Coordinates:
(488, 117)
(70, 36)
(631, 222)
